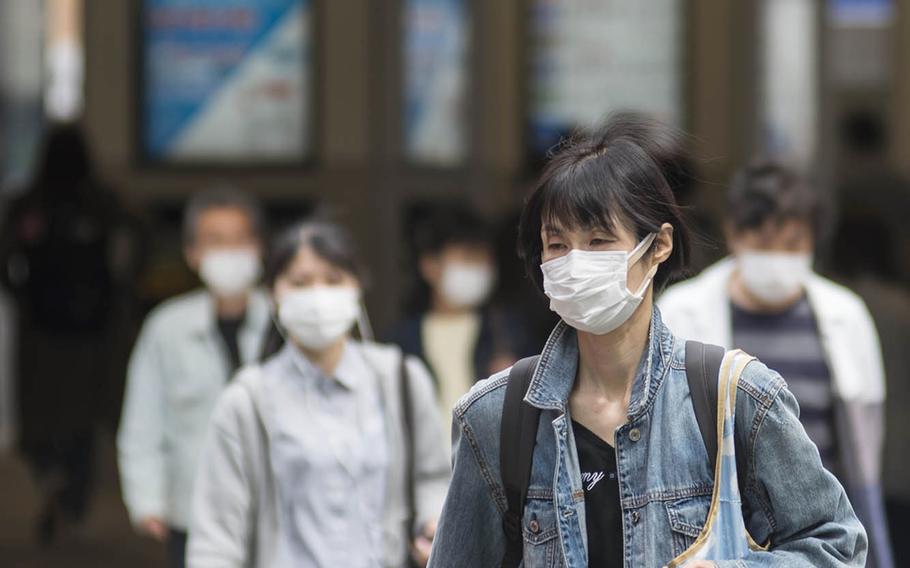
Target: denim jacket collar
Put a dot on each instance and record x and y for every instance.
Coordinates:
(555, 373)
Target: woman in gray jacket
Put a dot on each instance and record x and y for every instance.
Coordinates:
(328, 453)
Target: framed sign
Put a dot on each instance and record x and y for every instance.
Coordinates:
(226, 81)
(788, 64)
(589, 58)
(436, 45)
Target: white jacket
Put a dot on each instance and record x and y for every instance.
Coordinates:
(177, 371)
(699, 309)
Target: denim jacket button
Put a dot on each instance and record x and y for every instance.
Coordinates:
(534, 526)
(635, 517)
(635, 434)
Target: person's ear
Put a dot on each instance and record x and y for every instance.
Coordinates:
(430, 266)
(193, 256)
(732, 242)
(663, 243)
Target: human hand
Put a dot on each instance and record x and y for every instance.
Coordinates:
(420, 548)
(154, 528)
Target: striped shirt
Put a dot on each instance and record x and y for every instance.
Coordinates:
(789, 343)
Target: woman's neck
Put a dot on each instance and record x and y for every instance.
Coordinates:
(326, 360)
(607, 364)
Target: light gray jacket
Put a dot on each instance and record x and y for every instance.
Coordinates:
(177, 371)
(235, 519)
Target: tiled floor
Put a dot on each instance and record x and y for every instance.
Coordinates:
(105, 541)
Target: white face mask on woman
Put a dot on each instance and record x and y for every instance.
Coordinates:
(229, 272)
(774, 277)
(589, 290)
(318, 316)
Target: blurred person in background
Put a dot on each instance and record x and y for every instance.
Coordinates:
(871, 186)
(65, 254)
(328, 453)
(864, 248)
(456, 329)
(186, 352)
(767, 300)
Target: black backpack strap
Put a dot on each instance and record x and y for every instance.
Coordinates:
(518, 434)
(407, 414)
(702, 370)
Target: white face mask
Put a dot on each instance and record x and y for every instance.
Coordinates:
(589, 291)
(229, 272)
(774, 277)
(467, 285)
(318, 316)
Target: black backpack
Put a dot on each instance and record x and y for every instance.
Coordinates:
(518, 432)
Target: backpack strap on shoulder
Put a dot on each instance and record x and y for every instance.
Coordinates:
(702, 370)
(518, 434)
(407, 416)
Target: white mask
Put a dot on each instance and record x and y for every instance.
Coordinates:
(589, 291)
(467, 285)
(318, 316)
(229, 272)
(774, 277)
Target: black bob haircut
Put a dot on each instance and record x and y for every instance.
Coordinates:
(766, 190)
(330, 241)
(615, 174)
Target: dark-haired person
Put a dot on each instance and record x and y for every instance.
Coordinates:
(67, 254)
(767, 300)
(460, 334)
(599, 235)
(307, 461)
(183, 358)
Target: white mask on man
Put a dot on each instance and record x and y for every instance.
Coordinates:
(318, 316)
(589, 289)
(230, 272)
(774, 277)
(467, 285)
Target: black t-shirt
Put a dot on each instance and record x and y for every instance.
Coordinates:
(229, 329)
(602, 509)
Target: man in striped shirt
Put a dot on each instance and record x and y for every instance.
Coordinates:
(766, 300)
(787, 341)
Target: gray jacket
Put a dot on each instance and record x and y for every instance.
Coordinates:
(177, 371)
(236, 520)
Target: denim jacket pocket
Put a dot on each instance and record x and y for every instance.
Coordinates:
(541, 542)
(687, 519)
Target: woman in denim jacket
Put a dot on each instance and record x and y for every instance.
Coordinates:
(620, 474)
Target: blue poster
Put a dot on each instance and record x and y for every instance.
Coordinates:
(226, 80)
(861, 12)
(436, 71)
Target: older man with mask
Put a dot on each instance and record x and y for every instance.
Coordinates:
(769, 302)
(186, 353)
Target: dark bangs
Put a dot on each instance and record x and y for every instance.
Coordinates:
(598, 179)
(329, 241)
